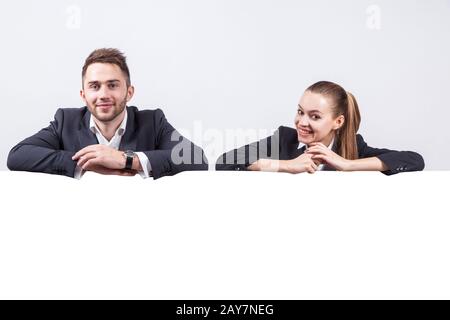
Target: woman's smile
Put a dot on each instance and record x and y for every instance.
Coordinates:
(304, 132)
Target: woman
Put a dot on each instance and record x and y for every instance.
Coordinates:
(325, 138)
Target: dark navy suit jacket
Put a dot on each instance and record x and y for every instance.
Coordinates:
(51, 149)
(283, 145)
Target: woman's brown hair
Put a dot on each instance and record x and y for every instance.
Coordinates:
(344, 103)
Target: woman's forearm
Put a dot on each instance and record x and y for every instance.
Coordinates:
(269, 165)
(366, 164)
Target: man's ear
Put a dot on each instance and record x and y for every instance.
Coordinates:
(339, 122)
(130, 92)
(82, 95)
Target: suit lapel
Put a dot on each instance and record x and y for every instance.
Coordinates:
(129, 139)
(298, 151)
(85, 136)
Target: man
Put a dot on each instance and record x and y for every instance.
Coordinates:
(107, 136)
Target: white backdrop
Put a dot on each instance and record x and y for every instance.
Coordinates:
(216, 66)
(225, 235)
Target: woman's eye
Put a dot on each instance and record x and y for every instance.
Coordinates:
(315, 117)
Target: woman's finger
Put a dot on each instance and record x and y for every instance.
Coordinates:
(315, 150)
(321, 158)
(318, 144)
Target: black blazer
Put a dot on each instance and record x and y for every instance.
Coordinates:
(283, 145)
(51, 149)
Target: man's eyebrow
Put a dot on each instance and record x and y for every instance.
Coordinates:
(309, 110)
(108, 81)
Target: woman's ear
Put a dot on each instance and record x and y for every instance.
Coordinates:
(339, 122)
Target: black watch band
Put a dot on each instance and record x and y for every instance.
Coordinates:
(129, 155)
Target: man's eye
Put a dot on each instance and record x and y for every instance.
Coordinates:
(112, 85)
(300, 112)
(94, 86)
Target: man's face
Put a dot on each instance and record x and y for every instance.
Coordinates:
(105, 91)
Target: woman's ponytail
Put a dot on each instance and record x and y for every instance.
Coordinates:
(347, 133)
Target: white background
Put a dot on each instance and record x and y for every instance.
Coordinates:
(226, 65)
(225, 235)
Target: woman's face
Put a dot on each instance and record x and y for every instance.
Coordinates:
(315, 121)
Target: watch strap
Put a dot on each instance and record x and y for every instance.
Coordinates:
(129, 155)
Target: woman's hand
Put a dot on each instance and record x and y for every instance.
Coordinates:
(303, 163)
(319, 152)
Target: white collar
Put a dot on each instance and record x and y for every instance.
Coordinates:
(120, 131)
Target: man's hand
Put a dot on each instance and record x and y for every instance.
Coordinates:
(99, 155)
(102, 159)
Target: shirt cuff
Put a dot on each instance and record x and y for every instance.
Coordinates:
(145, 164)
(78, 172)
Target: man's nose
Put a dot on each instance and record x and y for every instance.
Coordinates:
(103, 93)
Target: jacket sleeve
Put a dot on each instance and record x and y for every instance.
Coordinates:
(174, 153)
(43, 151)
(241, 158)
(396, 161)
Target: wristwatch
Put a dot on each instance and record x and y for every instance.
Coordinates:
(129, 155)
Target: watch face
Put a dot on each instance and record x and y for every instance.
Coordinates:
(129, 153)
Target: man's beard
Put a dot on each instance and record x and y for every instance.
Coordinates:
(109, 117)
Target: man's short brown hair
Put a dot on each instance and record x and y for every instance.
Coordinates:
(108, 55)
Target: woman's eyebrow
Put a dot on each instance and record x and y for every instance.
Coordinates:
(310, 111)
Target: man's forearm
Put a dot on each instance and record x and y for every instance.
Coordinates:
(34, 158)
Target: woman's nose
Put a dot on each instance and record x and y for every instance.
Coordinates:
(301, 120)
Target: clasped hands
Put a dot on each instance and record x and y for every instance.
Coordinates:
(316, 154)
(102, 159)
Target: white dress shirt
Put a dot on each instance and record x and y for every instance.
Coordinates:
(320, 167)
(115, 143)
